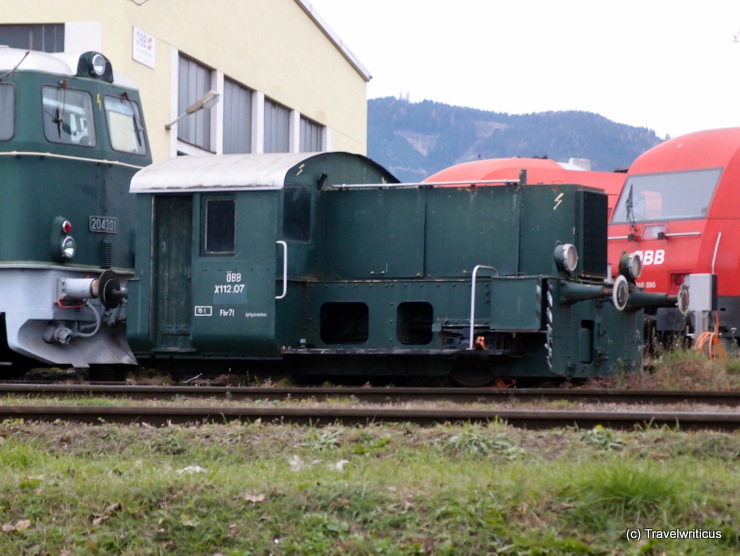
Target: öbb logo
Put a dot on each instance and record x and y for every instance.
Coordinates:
(650, 256)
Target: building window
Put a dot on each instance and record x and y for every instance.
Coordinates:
(237, 118)
(219, 227)
(7, 111)
(277, 128)
(194, 80)
(311, 134)
(45, 38)
(68, 116)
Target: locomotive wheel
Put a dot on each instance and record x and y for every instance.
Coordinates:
(473, 377)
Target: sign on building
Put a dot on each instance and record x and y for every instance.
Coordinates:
(144, 48)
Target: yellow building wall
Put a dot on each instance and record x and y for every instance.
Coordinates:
(271, 46)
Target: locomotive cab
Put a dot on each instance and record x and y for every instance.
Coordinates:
(231, 240)
(71, 136)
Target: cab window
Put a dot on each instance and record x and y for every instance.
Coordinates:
(297, 212)
(68, 116)
(125, 125)
(7, 111)
(219, 224)
(665, 197)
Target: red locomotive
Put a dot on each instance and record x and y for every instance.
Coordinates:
(678, 208)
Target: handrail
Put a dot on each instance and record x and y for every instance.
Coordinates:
(472, 298)
(716, 248)
(285, 269)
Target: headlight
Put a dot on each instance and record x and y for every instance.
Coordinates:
(630, 266)
(98, 64)
(94, 64)
(620, 293)
(68, 247)
(566, 257)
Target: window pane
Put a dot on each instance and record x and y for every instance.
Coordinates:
(311, 133)
(7, 112)
(125, 125)
(672, 196)
(46, 38)
(297, 212)
(237, 118)
(219, 234)
(277, 128)
(194, 82)
(68, 116)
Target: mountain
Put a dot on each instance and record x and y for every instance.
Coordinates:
(415, 140)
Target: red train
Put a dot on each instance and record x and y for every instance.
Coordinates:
(538, 170)
(679, 209)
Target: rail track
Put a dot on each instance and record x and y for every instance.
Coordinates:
(382, 409)
(535, 419)
(378, 395)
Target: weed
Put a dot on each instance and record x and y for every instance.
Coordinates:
(604, 439)
(677, 368)
(323, 439)
(475, 443)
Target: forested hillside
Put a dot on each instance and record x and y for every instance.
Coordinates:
(414, 140)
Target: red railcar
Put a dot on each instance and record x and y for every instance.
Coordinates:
(680, 208)
(539, 170)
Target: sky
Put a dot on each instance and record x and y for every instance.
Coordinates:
(672, 66)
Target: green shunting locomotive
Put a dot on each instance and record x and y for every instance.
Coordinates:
(71, 137)
(326, 265)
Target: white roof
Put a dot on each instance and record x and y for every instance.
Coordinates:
(227, 172)
(60, 63)
(334, 38)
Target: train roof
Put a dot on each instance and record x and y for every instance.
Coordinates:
(539, 171)
(60, 63)
(713, 148)
(232, 172)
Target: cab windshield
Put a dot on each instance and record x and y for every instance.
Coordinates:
(664, 197)
(68, 116)
(125, 125)
(7, 111)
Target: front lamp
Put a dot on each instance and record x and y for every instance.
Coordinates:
(98, 64)
(630, 266)
(566, 257)
(68, 247)
(94, 64)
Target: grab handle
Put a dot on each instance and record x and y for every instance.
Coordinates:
(285, 269)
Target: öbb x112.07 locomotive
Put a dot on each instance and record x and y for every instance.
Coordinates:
(324, 263)
(71, 138)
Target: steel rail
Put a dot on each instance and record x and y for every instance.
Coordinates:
(378, 394)
(533, 419)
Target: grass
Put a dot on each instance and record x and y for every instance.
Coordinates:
(679, 368)
(264, 488)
